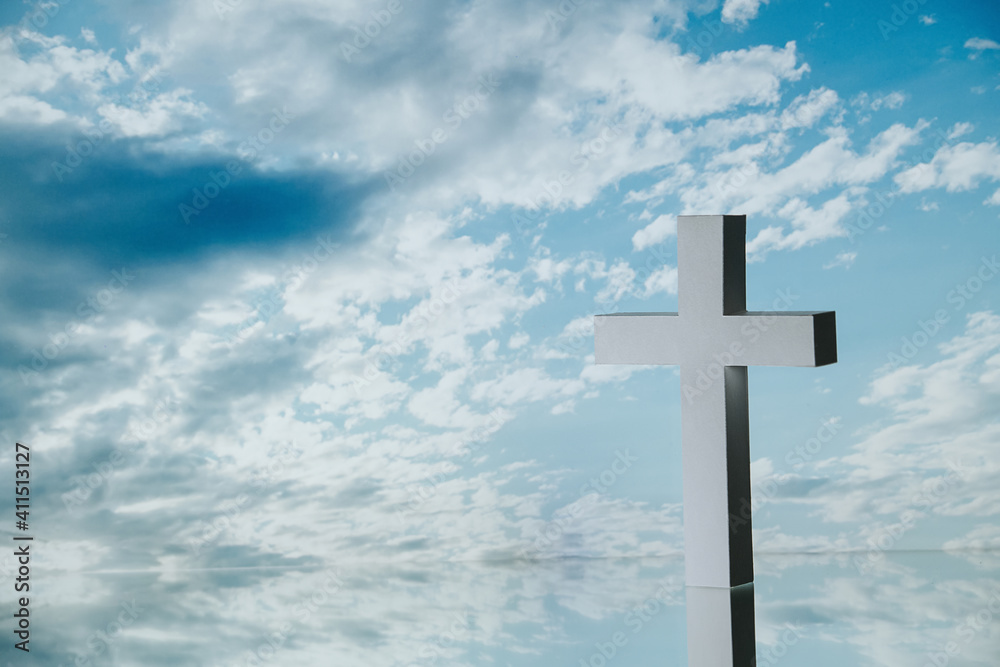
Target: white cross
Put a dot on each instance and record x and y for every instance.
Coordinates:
(713, 339)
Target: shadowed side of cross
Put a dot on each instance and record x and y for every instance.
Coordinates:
(713, 339)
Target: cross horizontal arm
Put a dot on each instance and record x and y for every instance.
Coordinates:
(638, 338)
(784, 339)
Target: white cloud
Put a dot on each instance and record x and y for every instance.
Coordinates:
(54, 68)
(959, 130)
(549, 270)
(518, 340)
(809, 226)
(681, 174)
(155, 117)
(566, 407)
(981, 44)
(844, 259)
(579, 327)
(805, 110)
(831, 163)
(864, 102)
(663, 279)
(927, 19)
(893, 100)
(956, 168)
(524, 385)
(982, 537)
(655, 232)
(28, 109)
(508, 150)
(620, 280)
(747, 187)
(490, 349)
(439, 405)
(741, 11)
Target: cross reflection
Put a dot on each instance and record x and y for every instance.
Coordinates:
(720, 626)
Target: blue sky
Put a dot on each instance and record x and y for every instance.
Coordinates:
(280, 293)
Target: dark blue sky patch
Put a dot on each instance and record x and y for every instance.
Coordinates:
(119, 206)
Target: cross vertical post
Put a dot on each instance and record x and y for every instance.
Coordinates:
(713, 338)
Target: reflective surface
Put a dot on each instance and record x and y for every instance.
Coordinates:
(913, 609)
